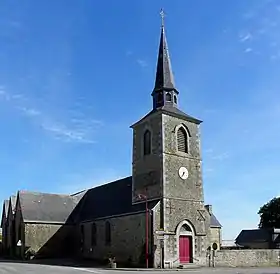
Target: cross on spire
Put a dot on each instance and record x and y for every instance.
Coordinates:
(162, 15)
(164, 93)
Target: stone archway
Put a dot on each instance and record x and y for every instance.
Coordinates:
(185, 242)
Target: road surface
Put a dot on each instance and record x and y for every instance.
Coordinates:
(15, 268)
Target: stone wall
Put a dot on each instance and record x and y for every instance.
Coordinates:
(184, 198)
(147, 169)
(127, 238)
(247, 257)
(4, 236)
(48, 240)
(215, 236)
(18, 231)
(156, 227)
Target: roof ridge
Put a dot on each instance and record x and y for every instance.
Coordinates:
(105, 184)
(42, 193)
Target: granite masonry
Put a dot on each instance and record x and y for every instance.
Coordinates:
(247, 258)
(163, 200)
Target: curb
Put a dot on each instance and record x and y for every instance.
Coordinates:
(154, 269)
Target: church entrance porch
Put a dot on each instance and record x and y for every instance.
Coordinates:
(185, 249)
(185, 242)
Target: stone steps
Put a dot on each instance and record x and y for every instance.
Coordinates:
(188, 266)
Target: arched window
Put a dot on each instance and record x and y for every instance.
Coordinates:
(182, 140)
(175, 99)
(147, 142)
(168, 97)
(108, 233)
(93, 234)
(185, 228)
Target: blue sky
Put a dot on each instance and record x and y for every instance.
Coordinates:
(74, 75)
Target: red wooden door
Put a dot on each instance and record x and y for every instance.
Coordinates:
(185, 249)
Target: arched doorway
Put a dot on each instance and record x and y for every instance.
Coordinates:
(185, 238)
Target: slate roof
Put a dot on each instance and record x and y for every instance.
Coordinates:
(111, 199)
(164, 80)
(253, 235)
(115, 199)
(103, 201)
(46, 207)
(13, 199)
(214, 221)
(4, 211)
(6, 207)
(170, 110)
(164, 76)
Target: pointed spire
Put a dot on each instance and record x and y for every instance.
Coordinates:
(164, 76)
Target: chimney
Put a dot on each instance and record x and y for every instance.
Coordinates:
(209, 208)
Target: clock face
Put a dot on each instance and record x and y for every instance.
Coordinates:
(183, 173)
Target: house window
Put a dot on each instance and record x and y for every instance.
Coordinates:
(175, 99)
(93, 234)
(147, 142)
(108, 233)
(168, 97)
(182, 140)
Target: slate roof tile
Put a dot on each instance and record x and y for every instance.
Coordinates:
(4, 212)
(46, 207)
(6, 207)
(111, 199)
(214, 221)
(13, 201)
(253, 235)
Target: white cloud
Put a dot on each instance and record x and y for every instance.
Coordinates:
(208, 150)
(61, 132)
(208, 170)
(221, 157)
(275, 56)
(249, 15)
(3, 94)
(244, 38)
(260, 29)
(73, 129)
(128, 53)
(30, 111)
(213, 155)
(247, 50)
(142, 63)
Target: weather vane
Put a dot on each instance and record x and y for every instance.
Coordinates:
(162, 14)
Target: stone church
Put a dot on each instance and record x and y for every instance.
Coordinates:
(161, 204)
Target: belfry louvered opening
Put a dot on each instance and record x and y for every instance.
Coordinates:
(182, 140)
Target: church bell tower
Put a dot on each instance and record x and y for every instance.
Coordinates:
(167, 159)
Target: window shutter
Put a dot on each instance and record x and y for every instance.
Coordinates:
(182, 140)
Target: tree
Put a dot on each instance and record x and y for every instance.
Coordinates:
(270, 214)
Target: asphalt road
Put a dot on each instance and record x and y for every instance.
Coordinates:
(15, 268)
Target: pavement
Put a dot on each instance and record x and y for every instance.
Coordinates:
(24, 268)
